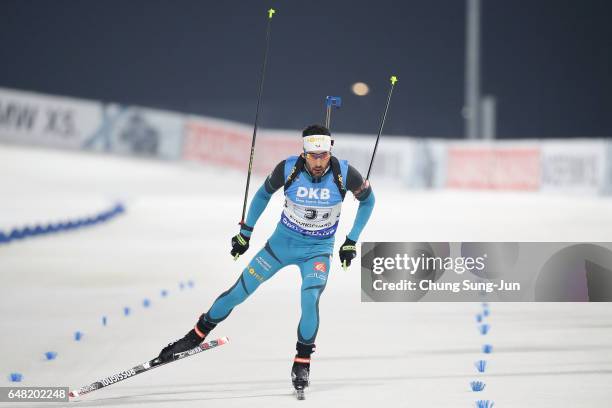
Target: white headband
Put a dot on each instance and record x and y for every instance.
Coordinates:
(317, 143)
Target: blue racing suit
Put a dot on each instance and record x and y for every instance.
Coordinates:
(304, 237)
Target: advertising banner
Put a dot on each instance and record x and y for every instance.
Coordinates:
(137, 131)
(574, 166)
(228, 144)
(396, 158)
(36, 119)
(427, 164)
(607, 187)
(489, 166)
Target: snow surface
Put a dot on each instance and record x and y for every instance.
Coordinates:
(177, 227)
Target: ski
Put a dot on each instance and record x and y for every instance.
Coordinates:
(149, 365)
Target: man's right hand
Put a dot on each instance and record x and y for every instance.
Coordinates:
(240, 244)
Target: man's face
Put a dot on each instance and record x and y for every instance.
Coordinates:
(317, 162)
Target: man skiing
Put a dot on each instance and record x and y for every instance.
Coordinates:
(314, 186)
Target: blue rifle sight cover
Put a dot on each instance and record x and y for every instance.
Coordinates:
(333, 101)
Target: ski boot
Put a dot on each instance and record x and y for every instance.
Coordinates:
(300, 371)
(299, 376)
(191, 340)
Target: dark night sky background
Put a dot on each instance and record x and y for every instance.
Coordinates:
(548, 62)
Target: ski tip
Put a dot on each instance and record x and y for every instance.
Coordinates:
(73, 394)
(223, 340)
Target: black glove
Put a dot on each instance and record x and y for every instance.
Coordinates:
(240, 244)
(348, 251)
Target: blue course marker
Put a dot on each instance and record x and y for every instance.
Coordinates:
(126, 311)
(484, 404)
(104, 321)
(181, 286)
(484, 329)
(479, 318)
(119, 208)
(15, 377)
(477, 386)
(16, 233)
(50, 355)
(487, 349)
(78, 336)
(146, 303)
(190, 283)
(164, 293)
(481, 366)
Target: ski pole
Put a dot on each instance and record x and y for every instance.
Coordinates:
(261, 87)
(382, 123)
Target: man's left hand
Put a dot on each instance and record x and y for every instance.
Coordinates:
(348, 251)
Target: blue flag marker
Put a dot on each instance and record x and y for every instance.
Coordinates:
(15, 377)
(50, 355)
(477, 386)
(481, 366)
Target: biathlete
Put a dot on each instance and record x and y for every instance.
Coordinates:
(314, 185)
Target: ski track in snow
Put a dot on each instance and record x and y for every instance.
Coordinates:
(177, 227)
